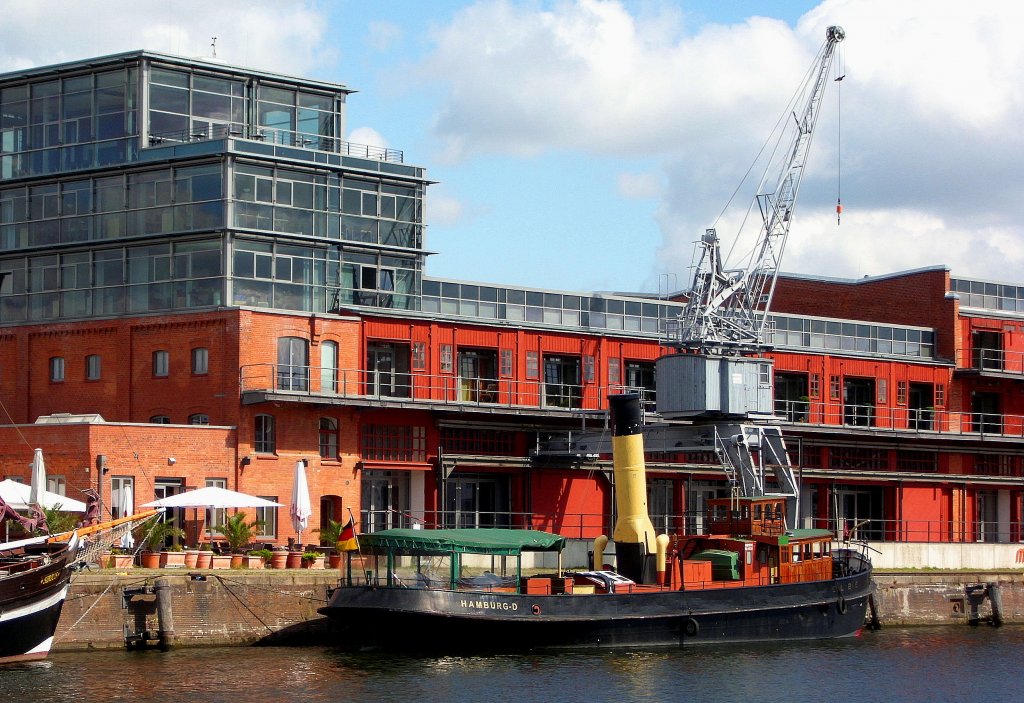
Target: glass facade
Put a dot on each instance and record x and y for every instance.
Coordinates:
(988, 295)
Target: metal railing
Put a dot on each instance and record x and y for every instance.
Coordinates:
(587, 526)
(279, 137)
(430, 388)
(899, 418)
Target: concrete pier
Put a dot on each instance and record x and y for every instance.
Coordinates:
(239, 607)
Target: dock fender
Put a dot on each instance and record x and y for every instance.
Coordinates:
(691, 627)
(841, 605)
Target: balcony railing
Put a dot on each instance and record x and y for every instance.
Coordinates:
(430, 389)
(899, 418)
(280, 137)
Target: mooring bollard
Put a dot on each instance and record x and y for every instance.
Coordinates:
(164, 618)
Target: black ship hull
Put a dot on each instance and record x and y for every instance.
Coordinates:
(442, 620)
(30, 605)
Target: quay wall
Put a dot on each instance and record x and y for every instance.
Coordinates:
(241, 607)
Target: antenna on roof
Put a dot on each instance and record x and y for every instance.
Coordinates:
(213, 46)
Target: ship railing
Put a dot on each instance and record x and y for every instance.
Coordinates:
(587, 526)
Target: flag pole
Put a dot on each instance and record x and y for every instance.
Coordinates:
(359, 548)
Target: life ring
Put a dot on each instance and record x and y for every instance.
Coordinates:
(535, 609)
(691, 627)
(841, 605)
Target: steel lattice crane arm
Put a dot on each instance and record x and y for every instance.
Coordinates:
(727, 309)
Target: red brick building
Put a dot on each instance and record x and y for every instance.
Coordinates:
(206, 266)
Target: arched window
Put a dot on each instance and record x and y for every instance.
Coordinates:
(328, 438)
(266, 441)
(292, 364)
(199, 419)
(160, 420)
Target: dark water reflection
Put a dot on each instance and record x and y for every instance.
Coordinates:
(895, 664)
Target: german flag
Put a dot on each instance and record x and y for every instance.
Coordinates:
(347, 541)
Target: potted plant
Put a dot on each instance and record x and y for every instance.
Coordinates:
(173, 556)
(117, 558)
(312, 560)
(257, 559)
(153, 539)
(278, 559)
(220, 561)
(205, 557)
(191, 557)
(329, 537)
(239, 534)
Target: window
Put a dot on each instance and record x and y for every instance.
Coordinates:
(815, 386)
(883, 391)
(57, 484)
(447, 364)
(122, 496)
(292, 364)
(161, 363)
(394, 443)
(940, 395)
(215, 516)
(901, 392)
(329, 367)
(834, 387)
(588, 369)
(200, 360)
(266, 443)
(614, 372)
(57, 369)
(160, 420)
(268, 518)
(92, 367)
(419, 356)
(506, 363)
(328, 438)
(532, 364)
(199, 419)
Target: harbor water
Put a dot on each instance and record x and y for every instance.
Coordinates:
(921, 664)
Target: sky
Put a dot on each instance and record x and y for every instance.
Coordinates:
(587, 144)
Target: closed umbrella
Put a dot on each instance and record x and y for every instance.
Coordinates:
(125, 508)
(300, 509)
(38, 482)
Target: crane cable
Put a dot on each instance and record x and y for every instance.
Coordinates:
(841, 74)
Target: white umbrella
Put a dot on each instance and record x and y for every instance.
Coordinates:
(300, 509)
(125, 508)
(211, 497)
(38, 482)
(17, 496)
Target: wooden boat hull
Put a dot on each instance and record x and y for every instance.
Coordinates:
(30, 607)
(433, 620)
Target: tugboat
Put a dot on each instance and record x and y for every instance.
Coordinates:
(747, 579)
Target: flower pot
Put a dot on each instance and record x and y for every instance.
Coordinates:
(334, 560)
(238, 561)
(317, 563)
(191, 558)
(203, 559)
(172, 560)
(279, 560)
(252, 561)
(122, 561)
(150, 560)
(294, 560)
(220, 561)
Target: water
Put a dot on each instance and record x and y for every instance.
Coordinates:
(896, 664)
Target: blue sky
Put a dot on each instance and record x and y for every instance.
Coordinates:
(585, 145)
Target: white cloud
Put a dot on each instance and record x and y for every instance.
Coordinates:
(931, 105)
(367, 136)
(443, 210)
(282, 37)
(637, 186)
(383, 35)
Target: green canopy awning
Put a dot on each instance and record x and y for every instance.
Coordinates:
(471, 541)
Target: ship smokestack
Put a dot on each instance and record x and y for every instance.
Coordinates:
(634, 536)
